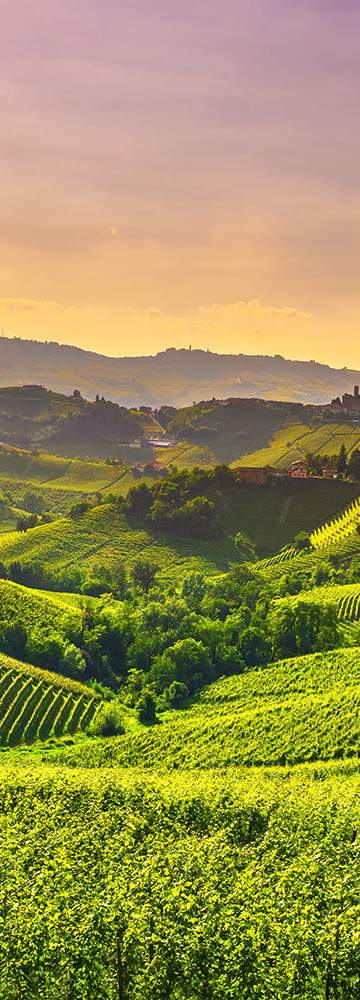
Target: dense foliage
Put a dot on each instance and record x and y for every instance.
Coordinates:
(180, 887)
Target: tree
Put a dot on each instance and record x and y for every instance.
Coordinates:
(144, 573)
(34, 503)
(108, 720)
(139, 500)
(302, 541)
(342, 463)
(254, 646)
(177, 694)
(193, 589)
(187, 661)
(354, 464)
(78, 510)
(145, 708)
(245, 547)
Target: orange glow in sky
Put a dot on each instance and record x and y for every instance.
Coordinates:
(175, 173)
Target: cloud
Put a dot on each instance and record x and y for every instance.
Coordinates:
(223, 326)
(240, 327)
(26, 305)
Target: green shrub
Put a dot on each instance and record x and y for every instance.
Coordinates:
(108, 720)
(145, 708)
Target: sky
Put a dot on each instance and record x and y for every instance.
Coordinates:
(176, 173)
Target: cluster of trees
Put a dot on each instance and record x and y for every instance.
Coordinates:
(186, 504)
(340, 463)
(32, 505)
(157, 646)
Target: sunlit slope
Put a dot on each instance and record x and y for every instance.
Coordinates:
(39, 609)
(43, 470)
(35, 704)
(345, 597)
(295, 440)
(339, 536)
(269, 516)
(103, 535)
(298, 710)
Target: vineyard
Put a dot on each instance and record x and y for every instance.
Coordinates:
(102, 534)
(183, 885)
(339, 536)
(345, 597)
(71, 475)
(40, 609)
(35, 704)
(295, 711)
(338, 529)
(294, 441)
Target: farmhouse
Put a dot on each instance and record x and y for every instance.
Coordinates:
(329, 471)
(299, 470)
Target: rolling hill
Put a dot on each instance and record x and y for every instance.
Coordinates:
(49, 437)
(103, 535)
(174, 377)
(270, 515)
(295, 441)
(298, 710)
(33, 417)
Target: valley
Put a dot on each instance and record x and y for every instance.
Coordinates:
(179, 716)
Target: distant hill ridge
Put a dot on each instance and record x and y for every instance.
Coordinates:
(175, 376)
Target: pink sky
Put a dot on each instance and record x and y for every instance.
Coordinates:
(173, 171)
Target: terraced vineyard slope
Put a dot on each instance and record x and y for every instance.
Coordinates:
(345, 597)
(295, 440)
(104, 534)
(338, 529)
(36, 704)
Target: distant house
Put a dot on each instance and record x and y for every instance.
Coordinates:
(299, 470)
(160, 442)
(329, 471)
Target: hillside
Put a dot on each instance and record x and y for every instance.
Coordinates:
(53, 472)
(34, 417)
(36, 704)
(104, 534)
(48, 437)
(174, 377)
(300, 710)
(39, 609)
(269, 515)
(296, 440)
